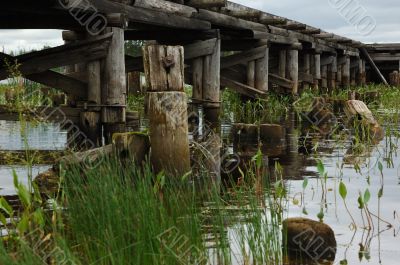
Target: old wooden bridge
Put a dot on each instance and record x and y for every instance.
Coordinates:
(224, 45)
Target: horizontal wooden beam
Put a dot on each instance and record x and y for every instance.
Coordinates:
(241, 88)
(243, 57)
(280, 81)
(171, 35)
(77, 52)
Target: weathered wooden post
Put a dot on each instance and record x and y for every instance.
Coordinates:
(211, 84)
(332, 70)
(211, 105)
(306, 69)
(166, 108)
(324, 76)
(359, 72)
(134, 86)
(317, 69)
(262, 71)
(113, 91)
(251, 73)
(293, 67)
(90, 120)
(339, 75)
(346, 72)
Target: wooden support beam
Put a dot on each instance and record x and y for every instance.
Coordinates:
(171, 35)
(282, 82)
(137, 14)
(240, 88)
(317, 69)
(293, 69)
(206, 3)
(211, 79)
(244, 14)
(282, 63)
(262, 71)
(346, 72)
(165, 6)
(113, 91)
(251, 73)
(69, 85)
(373, 65)
(243, 57)
(271, 20)
(226, 21)
(197, 76)
(40, 61)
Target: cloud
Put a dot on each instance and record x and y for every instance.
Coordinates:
(25, 40)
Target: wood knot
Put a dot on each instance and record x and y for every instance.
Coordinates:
(168, 61)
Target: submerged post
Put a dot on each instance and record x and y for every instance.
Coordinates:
(166, 109)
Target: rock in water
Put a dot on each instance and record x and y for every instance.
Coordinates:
(309, 239)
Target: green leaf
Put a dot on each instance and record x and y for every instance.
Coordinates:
(320, 168)
(321, 215)
(38, 217)
(360, 202)
(342, 190)
(367, 196)
(15, 178)
(24, 196)
(380, 193)
(305, 183)
(23, 224)
(380, 166)
(3, 219)
(5, 206)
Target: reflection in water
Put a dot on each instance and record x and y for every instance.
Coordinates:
(364, 169)
(15, 135)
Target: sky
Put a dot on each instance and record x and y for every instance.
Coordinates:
(368, 21)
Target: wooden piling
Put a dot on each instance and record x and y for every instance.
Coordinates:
(282, 63)
(262, 71)
(166, 109)
(293, 69)
(346, 72)
(113, 91)
(197, 75)
(251, 73)
(317, 70)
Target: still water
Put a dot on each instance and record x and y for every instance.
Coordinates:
(17, 136)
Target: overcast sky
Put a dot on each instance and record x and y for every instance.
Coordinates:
(377, 21)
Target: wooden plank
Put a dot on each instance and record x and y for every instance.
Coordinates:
(206, 3)
(166, 7)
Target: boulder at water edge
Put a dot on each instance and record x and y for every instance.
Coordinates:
(309, 239)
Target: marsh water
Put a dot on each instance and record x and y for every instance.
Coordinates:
(18, 136)
(371, 243)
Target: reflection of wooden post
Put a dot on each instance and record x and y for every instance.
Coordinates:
(293, 68)
(166, 108)
(113, 92)
(261, 72)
